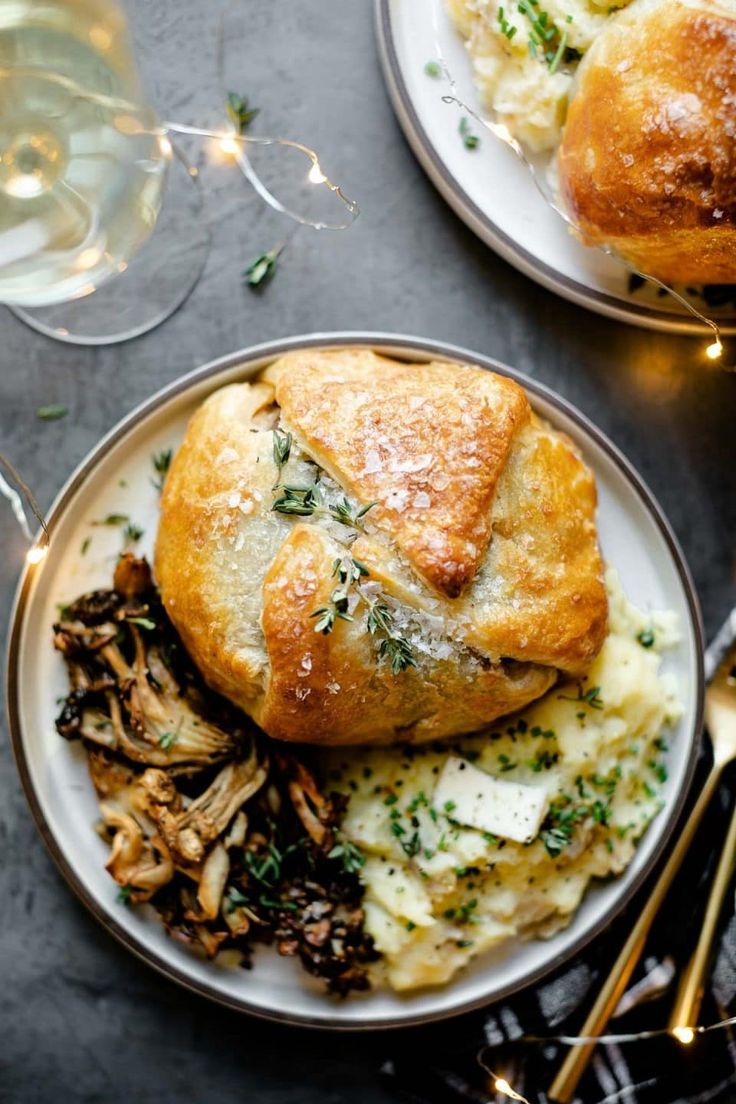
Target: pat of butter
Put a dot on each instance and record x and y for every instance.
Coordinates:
(512, 810)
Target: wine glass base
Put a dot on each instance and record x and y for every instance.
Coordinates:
(157, 280)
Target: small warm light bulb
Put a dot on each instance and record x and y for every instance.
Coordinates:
(315, 175)
(684, 1035)
(36, 554)
(502, 1086)
(714, 350)
(88, 258)
(229, 145)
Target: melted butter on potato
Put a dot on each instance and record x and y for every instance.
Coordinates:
(438, 891)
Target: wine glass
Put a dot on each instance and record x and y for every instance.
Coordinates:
(91, 187)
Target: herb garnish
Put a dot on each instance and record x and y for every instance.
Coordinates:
(125, 895)
(307, 502)
(143, 622)
(240, 113)
(167, 740)
(543, 760)
(352, 857)
(470, 140)
(433, 69)
(262, 269)
(52, 413)
(399, 653)
(297, 501)
(113, 519)
(281, 451)
(348, 572)
(591, 697)
(132, 533)
(646, 637)
(161, 463)
(508, 30)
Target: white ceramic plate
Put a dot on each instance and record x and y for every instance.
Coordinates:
(490, 189)
(116, 477)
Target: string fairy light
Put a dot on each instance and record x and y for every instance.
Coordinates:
(502, 134)
(16, 497)
(684, 1035)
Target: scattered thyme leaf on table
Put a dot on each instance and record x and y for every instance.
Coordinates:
(260, 271)
(239, 111)
(52, 413)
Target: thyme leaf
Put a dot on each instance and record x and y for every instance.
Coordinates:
(470, 141)
(161, 463)
(239, 111)
(262, 269)
(351, 857)
(52, 413)
(591, 697)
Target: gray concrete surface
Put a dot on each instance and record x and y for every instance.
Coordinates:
(80, 1019)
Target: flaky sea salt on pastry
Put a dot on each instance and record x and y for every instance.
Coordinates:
(359, 550)
(647, 164)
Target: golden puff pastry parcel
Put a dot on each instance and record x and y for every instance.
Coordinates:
(357, 550)
(647, 164)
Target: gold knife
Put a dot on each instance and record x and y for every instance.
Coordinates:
(720, 716)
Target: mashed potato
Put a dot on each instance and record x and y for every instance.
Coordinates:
(438, 892)
(523, 52)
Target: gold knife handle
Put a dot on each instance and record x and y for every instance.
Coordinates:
(565, 1083)
(689, 997)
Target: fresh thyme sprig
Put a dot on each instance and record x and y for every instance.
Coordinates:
(161, 463)
(343, 512)
(307, 502)
(379, 621)
(281, 452)
(348, 572)
(240, 113)
(393, 647)
(591, 697)
(399, 652)
(297, 501)
(262, 269)
(352, 857)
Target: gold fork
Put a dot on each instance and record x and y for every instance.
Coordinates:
(720, 718)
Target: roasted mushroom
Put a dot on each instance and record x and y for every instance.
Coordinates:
(229, 848)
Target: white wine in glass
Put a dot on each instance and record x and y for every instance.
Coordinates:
(84, 170)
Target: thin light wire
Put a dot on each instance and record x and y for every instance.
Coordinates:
(246, 140)
(16, 501)
(502, 1086)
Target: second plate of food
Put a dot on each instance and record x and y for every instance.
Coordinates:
(496, 194)
(373, 545)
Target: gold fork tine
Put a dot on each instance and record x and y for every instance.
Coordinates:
(721, 723)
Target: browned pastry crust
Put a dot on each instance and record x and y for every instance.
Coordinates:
(647, 163)
(482, 541)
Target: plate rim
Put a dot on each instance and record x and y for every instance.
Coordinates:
(410, 346)
(483, 225)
